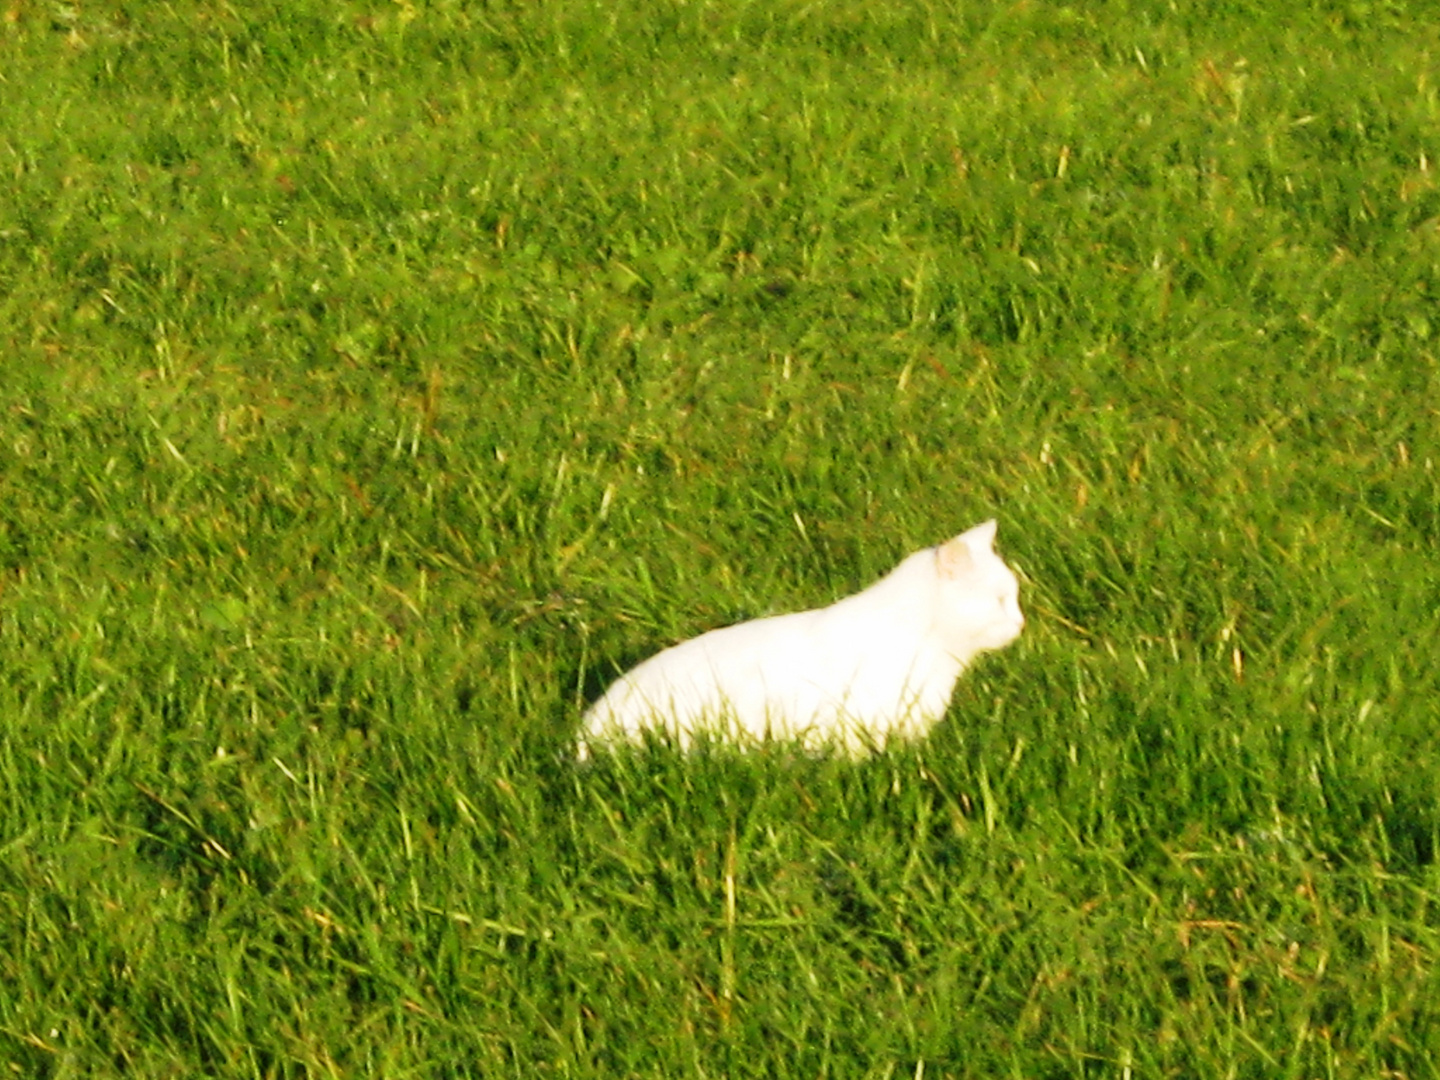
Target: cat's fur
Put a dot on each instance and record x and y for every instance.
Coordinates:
(876, 665)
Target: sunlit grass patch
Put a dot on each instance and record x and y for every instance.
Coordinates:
(380, 380)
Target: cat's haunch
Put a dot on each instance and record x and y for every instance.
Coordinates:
(877, 665)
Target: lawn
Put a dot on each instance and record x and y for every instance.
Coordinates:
(380, 379)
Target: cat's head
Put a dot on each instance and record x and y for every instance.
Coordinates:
(979, 597)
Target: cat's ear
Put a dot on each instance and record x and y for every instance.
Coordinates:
(982, 535)
(954, 558)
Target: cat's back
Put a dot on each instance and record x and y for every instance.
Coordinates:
(792, 666)
(732, 669)
(741, 648)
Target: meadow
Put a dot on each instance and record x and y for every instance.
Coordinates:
(380, 379)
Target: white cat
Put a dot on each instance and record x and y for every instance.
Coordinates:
(873, 666)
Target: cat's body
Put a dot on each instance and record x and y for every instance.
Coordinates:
(879, 664)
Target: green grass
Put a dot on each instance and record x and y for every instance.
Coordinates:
(380, 379)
